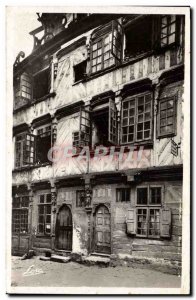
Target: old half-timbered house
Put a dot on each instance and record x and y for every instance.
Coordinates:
(97, 137)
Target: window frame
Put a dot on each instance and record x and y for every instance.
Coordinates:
(170, 134)
(20, 209)
(101, 40)
(38, 135)
(40, 72)
(149, 207)
(26, 150)
(135, 124)
(168, 34)
(107, 31)
(44, 214)
(120, 190)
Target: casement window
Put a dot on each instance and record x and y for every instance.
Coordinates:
(24, 150)
(41, 83)
(43, 143)
(106, 46)
(168, 30)
(44, 214)
(20, 212)
(122, 195)
(80, 198)
(80, 71)
(149, 219)
(22, 90)
(136, 118)
(102, 121)
(167, 117)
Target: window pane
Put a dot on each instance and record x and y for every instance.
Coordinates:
(142, 222)
(48, 198)
(154, 222)
(155, 195)
(142, 196)
(42, 198)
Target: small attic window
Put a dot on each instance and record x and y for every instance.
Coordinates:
(80, 71)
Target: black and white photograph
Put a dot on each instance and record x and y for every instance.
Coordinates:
(99, 150)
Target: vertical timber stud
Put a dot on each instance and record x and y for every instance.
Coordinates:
(53, 213)
(30, 217)
(155, 111)
(118, 99)
(88, 208)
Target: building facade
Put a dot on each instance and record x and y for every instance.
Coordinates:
(98, 135)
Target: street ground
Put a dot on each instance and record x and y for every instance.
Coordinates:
(36, 273)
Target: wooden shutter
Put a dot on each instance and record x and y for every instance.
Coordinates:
(156, 32)
(165, 224)
(131, 221)
(117, 40)
(85, 128)
(29, 149)
(112, 128)
(20, 139)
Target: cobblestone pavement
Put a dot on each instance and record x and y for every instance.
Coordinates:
(36, 273)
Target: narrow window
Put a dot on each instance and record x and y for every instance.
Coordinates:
(167, 117)
(44, 214)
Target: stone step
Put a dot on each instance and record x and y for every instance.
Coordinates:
(44, 258)
(96, 260)
(100, 254)
(59, 258)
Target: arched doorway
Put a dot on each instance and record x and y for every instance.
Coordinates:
(64, 229)
(102, 230)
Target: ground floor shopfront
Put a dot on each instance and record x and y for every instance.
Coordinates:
(138, 215)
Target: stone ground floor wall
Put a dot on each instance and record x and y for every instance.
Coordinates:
(122, 244)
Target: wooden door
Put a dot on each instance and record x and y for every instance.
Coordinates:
(64, 229)
(102, 230)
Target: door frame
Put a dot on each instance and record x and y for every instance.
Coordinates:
(95, 208)
(57, 213)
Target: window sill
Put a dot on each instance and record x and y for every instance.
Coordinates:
(79, 81)
(34, 101)
(42, 165)
(40, 235)
(170, 135)
(148, 237)
(27, 168)
(147, 144)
